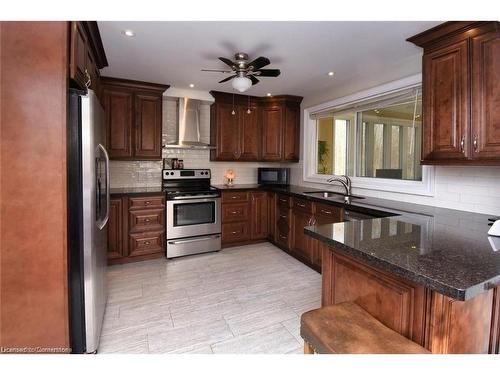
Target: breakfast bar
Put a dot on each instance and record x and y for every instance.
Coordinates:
(434, 280)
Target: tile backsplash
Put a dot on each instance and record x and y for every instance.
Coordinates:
(148, 173)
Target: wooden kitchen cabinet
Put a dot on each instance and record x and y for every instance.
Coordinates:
(115, 229)
(259, 211)
(244, 217)
(270, 132)
(303, 216)
(272, 128)
(486, 95)
(133, 116)
(148, 126)
(226, 132)
(136, 228)
(461, 75)
(86, 55)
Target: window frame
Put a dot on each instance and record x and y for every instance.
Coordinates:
(424, 187)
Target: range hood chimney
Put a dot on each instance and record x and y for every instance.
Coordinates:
(188, 134)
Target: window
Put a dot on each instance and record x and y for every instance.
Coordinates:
(384, 139)
(375, 139)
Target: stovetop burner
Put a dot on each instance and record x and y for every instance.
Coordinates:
(187, 183)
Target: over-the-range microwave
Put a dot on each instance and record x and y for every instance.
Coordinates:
(273, 176)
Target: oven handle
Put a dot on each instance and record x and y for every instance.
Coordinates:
(197, 197)
(194, 240)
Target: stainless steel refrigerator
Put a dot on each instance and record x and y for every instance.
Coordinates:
(88, 213)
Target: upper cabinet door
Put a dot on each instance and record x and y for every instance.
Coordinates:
(78, 54)
(250, 133)
(227, 131)
(272, 126)
(291, 135)
(118, 106)
(148, 126)
(445, 108)
(486, 96)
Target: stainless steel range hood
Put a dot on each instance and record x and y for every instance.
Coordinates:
(188, 129)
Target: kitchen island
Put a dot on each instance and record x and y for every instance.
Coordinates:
(432, 279)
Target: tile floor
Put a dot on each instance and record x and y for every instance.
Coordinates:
(245, 299)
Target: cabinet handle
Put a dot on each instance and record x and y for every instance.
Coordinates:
(283, 200)
(284, 216)
(147, 220)
(234, 232)
(326, 212)
(283, 237)
(301, 205)
(234, 197)
(147, 243)
(462, 144)
(147, 203)
(474, 143)
(234, 212)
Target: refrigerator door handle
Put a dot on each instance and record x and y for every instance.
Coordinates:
(108, 204)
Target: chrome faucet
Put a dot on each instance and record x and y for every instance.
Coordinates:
(345, 181)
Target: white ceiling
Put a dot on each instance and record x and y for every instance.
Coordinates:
(174, 52)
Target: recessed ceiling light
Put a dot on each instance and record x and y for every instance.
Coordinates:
(269, 94)
(191, 85)
(129, 33)
(331, 74)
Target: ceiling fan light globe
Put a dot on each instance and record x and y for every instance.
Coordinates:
(241, 84)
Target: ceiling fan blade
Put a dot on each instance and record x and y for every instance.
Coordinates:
(226, 61)
(227, 79)
(259, 62)
(268, 72)
(253, 79)
(216, 70)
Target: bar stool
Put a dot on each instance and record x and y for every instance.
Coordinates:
(346, 328)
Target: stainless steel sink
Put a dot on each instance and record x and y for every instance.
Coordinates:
(331, 194)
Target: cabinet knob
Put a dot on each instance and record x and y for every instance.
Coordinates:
(148, 203)
(147, 243)
(147, 220)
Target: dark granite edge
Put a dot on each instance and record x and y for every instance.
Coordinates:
(137, 191)
(447, 290)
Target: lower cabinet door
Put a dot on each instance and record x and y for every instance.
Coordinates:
(146, 243)
(259, 215)
(302, 244)
(115, 229)
(235, 232)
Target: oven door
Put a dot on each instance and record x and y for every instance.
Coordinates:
(193, 217)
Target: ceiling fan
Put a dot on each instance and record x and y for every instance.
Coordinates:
(245, 73)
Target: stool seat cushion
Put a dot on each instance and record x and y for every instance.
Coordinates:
(346, 328)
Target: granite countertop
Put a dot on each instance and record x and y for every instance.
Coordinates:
(136, 190)
(445, 250)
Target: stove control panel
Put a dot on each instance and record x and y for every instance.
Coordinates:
(181, 174)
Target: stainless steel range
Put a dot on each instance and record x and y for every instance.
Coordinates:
(193, 214)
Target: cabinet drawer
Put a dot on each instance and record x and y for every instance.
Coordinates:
(303, 205)
(283, 238)
(146, 202)
(146, 243)
(235, 232)
(234, 212)
(146, 220)
(234, 196)
(284, 201)
(328, 213)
